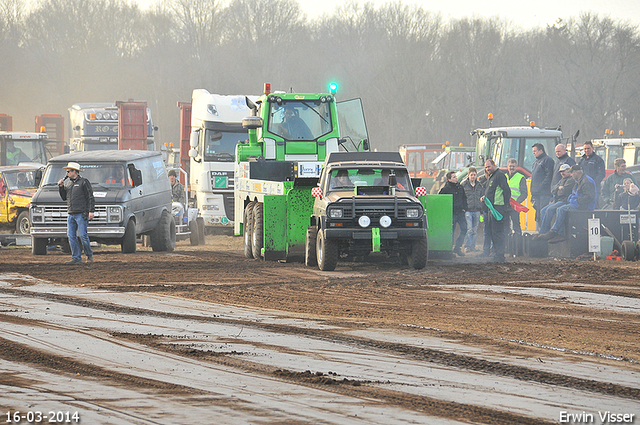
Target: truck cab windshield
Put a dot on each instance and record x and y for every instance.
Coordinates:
(219, 146)
(300, 120)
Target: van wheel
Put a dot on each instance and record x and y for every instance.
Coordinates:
(419, 253)
(23, 224)
(193, 233)
(128, 244)
(201, 232)
(257, 236)
(247, 221)
(326, 253)
(39, 246)
(310, 247)
(163, 237)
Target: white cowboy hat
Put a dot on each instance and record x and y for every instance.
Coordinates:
(72, 166)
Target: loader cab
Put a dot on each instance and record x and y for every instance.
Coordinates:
(500, 144)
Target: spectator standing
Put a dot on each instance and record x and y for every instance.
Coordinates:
(593, 166)
(541, 175)
(560, 192)
(487, 246)
(519, 192)
(473, 190)
(497, 195)
(452, 187)
(78, 193)
(615, 183)
(177, 189)
(563, 158)
(583, 198)
(629, 198)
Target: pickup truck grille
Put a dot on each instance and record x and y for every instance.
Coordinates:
(372, 210)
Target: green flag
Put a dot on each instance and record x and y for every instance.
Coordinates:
(495, 212)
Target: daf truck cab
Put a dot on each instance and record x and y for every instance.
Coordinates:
(216, 129)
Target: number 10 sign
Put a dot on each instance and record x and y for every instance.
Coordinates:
(594, 235)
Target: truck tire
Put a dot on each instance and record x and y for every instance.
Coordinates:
(247, 221)
(193, 233)
(310, 247)
(257, 236)
(419, 253)
(39, 246)
(23, 223)
(128, 244)
(163, 237)
(201, 233)
(326, 253)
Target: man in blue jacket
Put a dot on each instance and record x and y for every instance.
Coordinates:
(583, 198)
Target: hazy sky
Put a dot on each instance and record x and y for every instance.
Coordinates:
(526, 14)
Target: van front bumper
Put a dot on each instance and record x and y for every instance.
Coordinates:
(92, 231)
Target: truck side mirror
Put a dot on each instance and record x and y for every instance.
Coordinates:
(193, 139)
(37, 177)
(365, 145)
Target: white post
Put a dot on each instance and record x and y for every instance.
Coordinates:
(594, 236)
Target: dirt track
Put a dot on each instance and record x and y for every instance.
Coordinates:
(205, 335)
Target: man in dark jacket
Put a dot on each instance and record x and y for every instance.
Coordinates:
(583, 198)
(563, 158)
(541, 174)
(593, 166)
(452, 187)
(560, 192)
(497, 195)
(78, 193)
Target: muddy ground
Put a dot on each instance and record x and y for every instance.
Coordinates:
(203, 334)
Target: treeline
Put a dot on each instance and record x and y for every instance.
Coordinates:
(421, 78)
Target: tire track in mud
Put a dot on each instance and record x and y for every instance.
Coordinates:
(464, 362)
(23, 354)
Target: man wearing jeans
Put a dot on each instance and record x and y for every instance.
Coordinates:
(583, 197)
(78, 193)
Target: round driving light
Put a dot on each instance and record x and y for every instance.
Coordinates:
(99, 116)
(385, 221)
(364, 221)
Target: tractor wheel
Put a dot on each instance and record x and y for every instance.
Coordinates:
(39, 246)
(419, 254)
(201, 238)
(163, 237)
(628, 250)
(326, 253)
(257, 236)
(193, 233)
(248, 229)
(128, 244)
(23, 223)
(310, 247)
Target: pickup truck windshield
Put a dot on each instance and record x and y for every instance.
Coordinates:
(348, 178)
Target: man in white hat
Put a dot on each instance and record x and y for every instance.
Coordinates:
(560, 192)
(78, 193)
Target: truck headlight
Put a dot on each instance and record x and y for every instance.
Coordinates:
(413, 212)
(37, 210)
(335, 213)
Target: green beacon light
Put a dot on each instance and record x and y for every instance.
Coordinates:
(333, 88)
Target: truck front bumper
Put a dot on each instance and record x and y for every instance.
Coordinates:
(366, 234)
